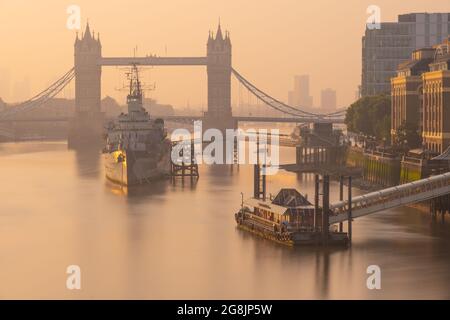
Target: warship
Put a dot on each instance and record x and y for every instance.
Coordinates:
(137, 148)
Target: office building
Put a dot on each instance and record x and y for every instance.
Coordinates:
(300, 97)
(328, 99)
(385, 48)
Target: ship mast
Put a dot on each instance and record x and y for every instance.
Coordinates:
(135, 84)
(134, 98)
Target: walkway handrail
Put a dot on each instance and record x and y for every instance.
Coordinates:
(392, 197)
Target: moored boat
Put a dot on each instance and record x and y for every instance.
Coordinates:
(288, 218)
(137, 148)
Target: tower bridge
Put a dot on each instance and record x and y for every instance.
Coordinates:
(89, 61)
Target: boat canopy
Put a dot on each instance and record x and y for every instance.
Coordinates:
(283, 203)
(290, 198)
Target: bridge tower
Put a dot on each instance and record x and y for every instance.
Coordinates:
(87, 124)
(219, 82)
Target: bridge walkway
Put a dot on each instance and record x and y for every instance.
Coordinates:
(392, 197)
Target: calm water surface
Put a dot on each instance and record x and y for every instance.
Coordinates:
(180, 241)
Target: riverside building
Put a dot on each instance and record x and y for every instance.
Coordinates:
(421, 96)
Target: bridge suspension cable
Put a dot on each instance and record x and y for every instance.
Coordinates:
(62, 82)
(41, 97)
(281, 106)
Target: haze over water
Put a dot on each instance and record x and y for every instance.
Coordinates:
(180, 241)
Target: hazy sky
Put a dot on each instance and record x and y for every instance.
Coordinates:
(272, 41)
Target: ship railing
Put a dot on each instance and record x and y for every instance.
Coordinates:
(262, 225)
(259, 218)
(262, 222)
(269, 224)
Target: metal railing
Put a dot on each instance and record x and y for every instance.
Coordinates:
(401, 195)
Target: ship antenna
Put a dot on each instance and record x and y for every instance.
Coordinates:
(138, 83)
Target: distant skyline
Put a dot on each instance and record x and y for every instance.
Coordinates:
(300, 93)
(284, 38)
(328, 99)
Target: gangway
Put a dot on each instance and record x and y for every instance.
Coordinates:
(405, 194)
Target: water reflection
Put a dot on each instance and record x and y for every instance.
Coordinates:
(174, 239)
(88, 162)
(221, 170)
(313, 272)
(134, 192)
(185, 182)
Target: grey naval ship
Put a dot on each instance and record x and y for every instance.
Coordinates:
(137, 148)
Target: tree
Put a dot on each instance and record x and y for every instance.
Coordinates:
(407, 136)
(371, 116)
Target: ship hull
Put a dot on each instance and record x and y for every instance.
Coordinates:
(132, 168)
(297, 238)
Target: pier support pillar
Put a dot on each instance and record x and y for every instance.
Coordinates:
(350, 209)
(325, 209)
(316, 202)
(433, 210)
(301, 155)
(341, 197)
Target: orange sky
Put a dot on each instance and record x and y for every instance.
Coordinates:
(272, 41)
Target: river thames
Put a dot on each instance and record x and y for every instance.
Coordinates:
(179, 240)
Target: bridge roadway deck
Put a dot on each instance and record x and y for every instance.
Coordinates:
(190, 119)
(153, 61)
